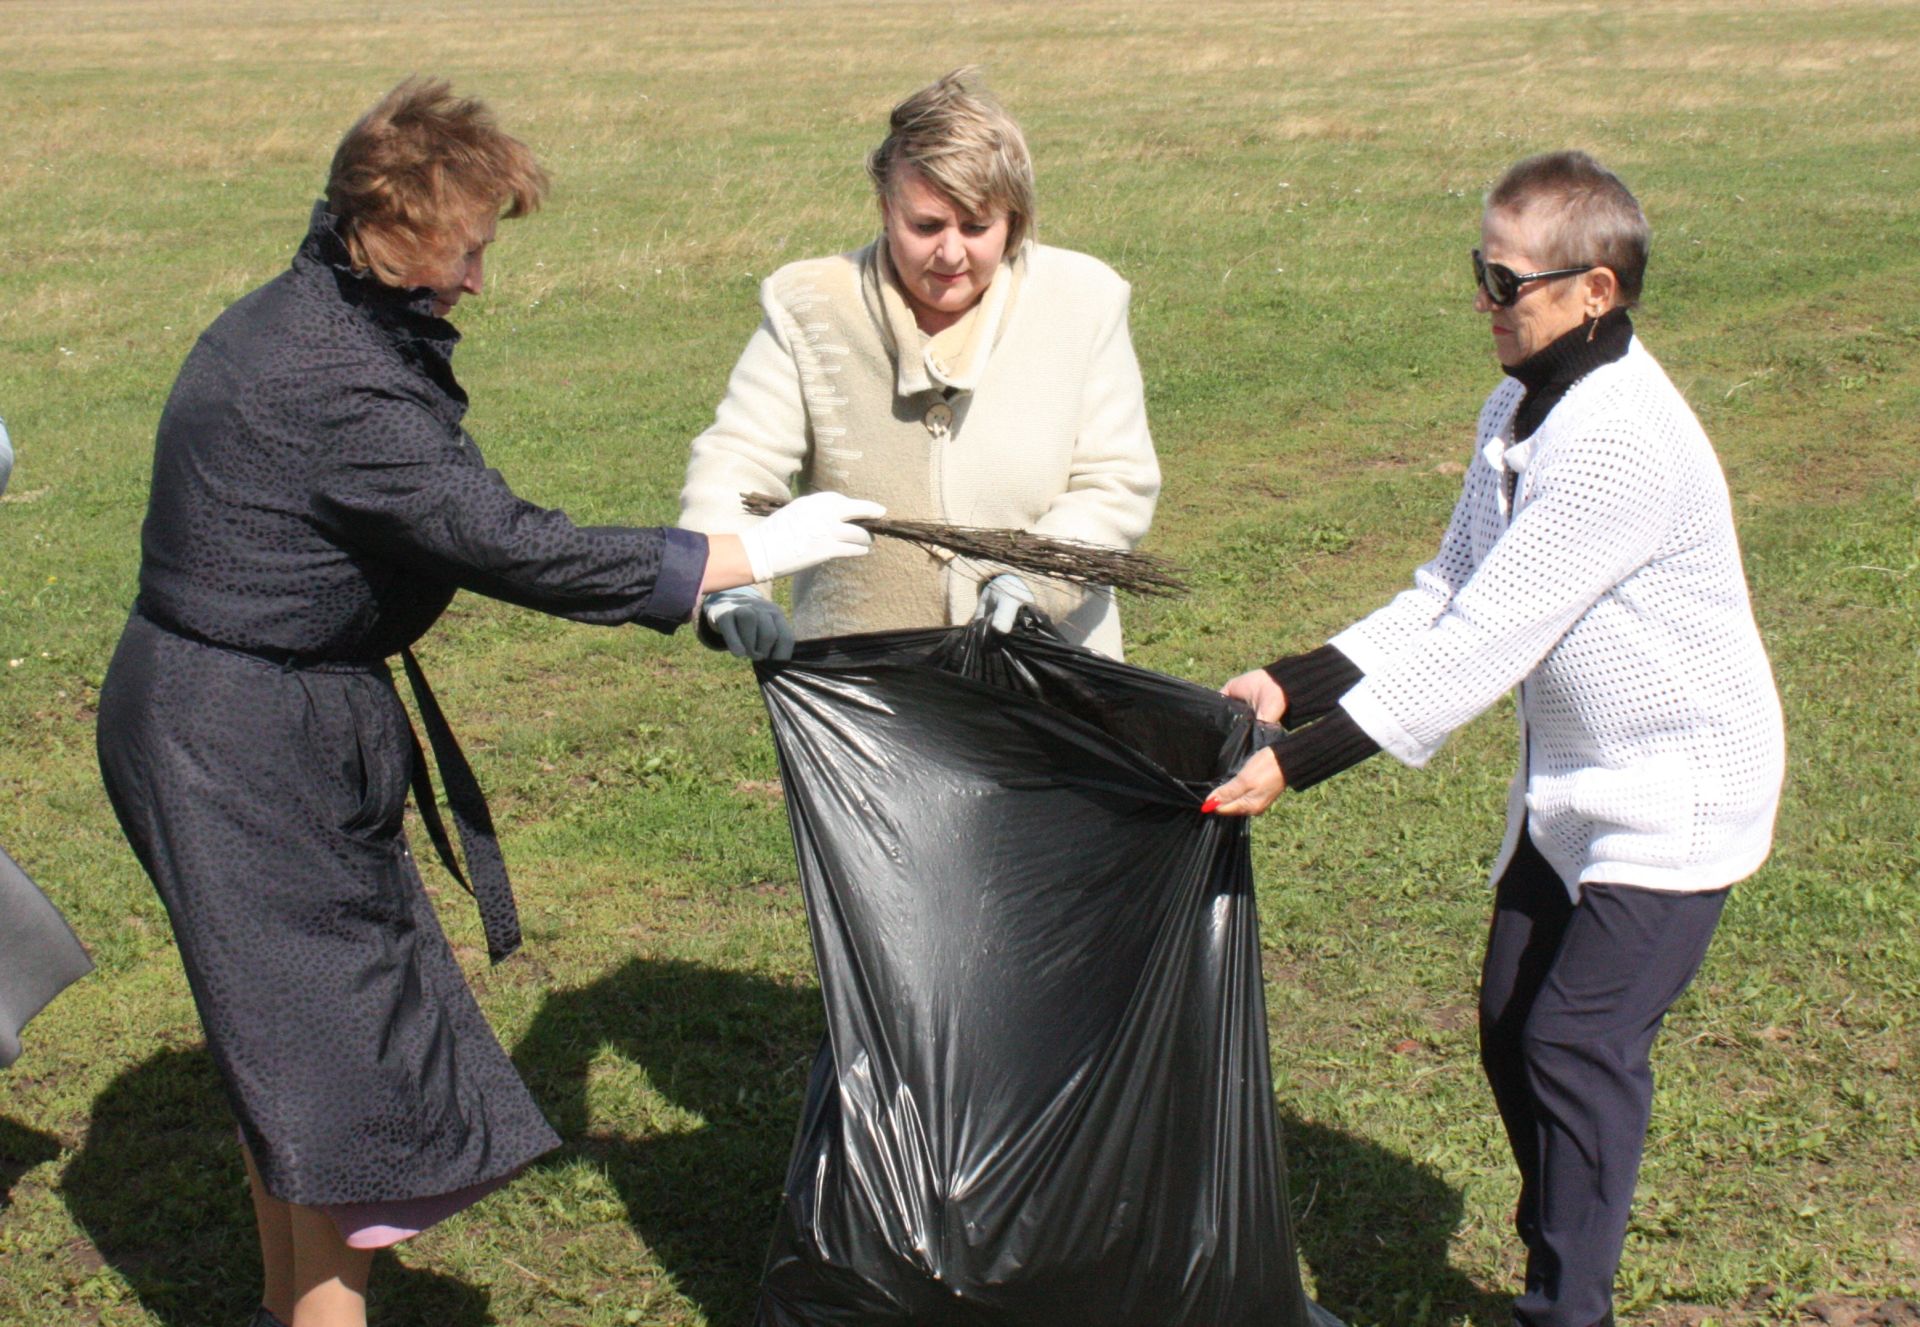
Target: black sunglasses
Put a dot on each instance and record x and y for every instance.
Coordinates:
(1503, 284)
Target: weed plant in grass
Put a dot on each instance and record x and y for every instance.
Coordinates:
(1292, 190)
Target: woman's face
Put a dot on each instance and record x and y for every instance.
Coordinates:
(459, 271)
(1546, 309)
(944, 257)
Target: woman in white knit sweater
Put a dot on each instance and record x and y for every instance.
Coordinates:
(1591, 561)
(953, 370)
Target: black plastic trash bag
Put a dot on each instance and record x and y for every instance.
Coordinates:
(39, 956)
(1045, 1096)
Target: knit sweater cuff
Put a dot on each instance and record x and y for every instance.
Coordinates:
(1321, 750)
(1314, 682)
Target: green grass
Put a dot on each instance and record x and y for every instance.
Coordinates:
(1292, 190)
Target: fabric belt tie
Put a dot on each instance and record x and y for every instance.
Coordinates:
(499, 916)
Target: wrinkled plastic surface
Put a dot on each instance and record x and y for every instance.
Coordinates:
(1045, 1096)
(39, 956)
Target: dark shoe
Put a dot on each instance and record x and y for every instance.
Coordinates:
(262, 1318)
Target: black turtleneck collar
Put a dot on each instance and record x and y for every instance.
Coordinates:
(1551, 370)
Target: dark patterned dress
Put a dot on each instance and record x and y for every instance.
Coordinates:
(315, 506)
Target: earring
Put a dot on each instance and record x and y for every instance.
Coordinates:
(1593, 325)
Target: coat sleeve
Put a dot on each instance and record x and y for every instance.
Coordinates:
(394, 482)
(1114, 482)
(759, 439)
(1597, 510)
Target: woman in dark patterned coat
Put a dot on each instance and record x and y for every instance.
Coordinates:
(315, 506)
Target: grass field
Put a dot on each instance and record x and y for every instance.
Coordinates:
(1292, 190)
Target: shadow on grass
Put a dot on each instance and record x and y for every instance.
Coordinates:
(1373, 1227)
(21, 1149)
(734, 1049)
(160, 1190)
(729, 1047)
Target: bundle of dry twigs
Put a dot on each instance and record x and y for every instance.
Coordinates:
(1019, 551)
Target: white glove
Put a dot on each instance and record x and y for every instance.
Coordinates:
(807, 532)
(1002, 598)
(750, 624)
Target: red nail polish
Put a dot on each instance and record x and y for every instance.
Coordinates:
(1209, 806)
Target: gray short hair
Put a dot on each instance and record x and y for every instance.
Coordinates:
(1591, 216)
(956, 135)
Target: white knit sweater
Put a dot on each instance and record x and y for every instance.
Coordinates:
(1612, 594)
(1033, 417)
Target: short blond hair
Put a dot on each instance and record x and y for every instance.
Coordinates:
(956, 135)
(417, 175)
(1590, 215)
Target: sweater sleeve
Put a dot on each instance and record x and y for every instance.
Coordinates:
(1114, 482)
(1594, 510)
(1322, 749)
(1377, 637)
(1321, 739)
(1313, 682)
(397, 482)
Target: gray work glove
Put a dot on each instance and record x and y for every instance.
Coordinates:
(748, 623)
(1001, 599)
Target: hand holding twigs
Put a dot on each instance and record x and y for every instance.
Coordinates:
(1069, 560)
(808, 531)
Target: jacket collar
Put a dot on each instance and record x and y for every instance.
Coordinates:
(405, 314)
(954, 359)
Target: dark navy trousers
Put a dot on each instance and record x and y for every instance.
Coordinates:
(1571, 998)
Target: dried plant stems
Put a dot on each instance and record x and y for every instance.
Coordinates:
(1019, 551)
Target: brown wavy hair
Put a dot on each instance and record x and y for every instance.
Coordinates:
(417, 176)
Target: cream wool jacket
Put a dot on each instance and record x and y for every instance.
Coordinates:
(1609, 590)
(1028, 415)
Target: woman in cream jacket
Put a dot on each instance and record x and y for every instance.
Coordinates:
(953, 370)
